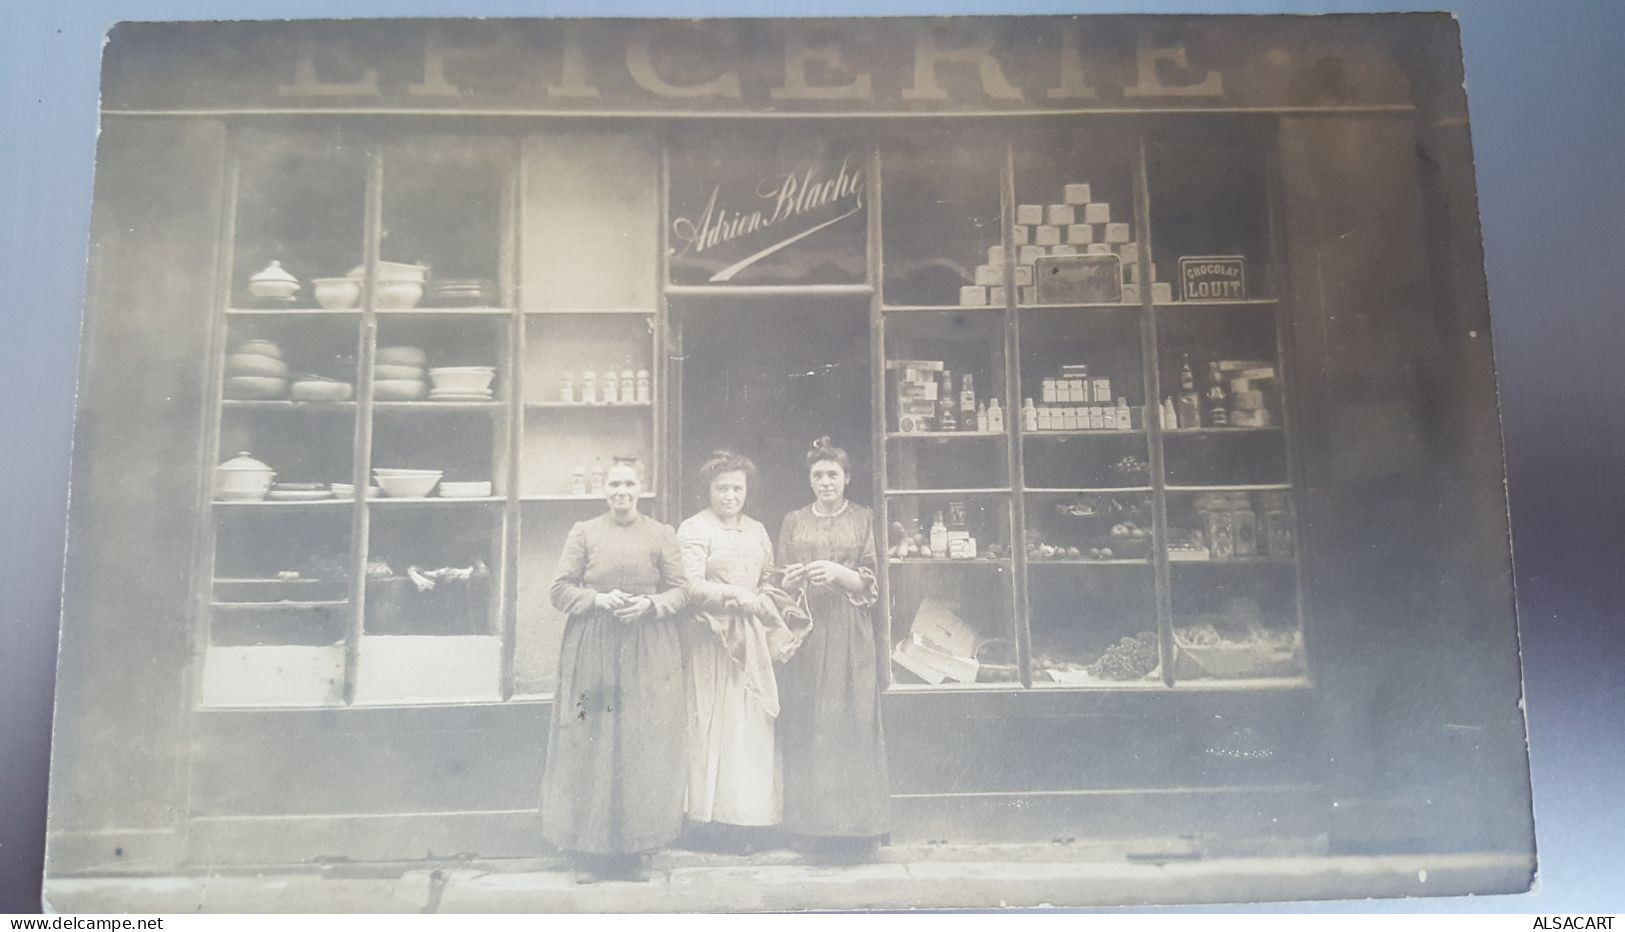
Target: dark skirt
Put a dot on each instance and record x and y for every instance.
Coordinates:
(616, 751)
(835, 780)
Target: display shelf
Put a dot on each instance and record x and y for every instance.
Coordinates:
(946, 435)
(1078, 561)
(1002, 562)
(1036, 434)
(1097, 490)
(757, 291)
(589, 311)
(900, 493)
(270, 503)
(282, 605)
(585, 406)
(1094, 306)
(940, 308)
(283, 404)
(444, 312)
(1246, 487)
(1190, 305)
(1198, 431)
(1237, 561)
(292, 312)
(946, 687)
(434, 500)
(642, 496)
(425, 406)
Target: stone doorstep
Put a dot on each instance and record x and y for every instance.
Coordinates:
(757, 886)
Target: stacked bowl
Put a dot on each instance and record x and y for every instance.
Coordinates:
(407, 483)
(255, 371)
(461, 383)
(398, 373)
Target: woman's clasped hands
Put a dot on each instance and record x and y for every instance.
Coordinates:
(628, 608)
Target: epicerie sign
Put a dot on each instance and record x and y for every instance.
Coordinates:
(1213, 278)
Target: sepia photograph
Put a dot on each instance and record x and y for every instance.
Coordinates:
(724, 465)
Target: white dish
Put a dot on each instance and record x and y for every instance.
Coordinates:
(460, 396)
(408, 486)
(466, 379)
(299, 495)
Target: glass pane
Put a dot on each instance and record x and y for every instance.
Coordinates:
(1075, 235)
(1209, 198)
(432, 568)
(301, 204)
(942, 237)
(1086, 425)
(945, 370)
(1220, 384)
(768, 208)
(949, 573)
(444, 200)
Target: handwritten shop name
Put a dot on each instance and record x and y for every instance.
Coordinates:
(780, 201)
(811, 66)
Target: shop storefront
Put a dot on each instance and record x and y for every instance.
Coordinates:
(1157, 343)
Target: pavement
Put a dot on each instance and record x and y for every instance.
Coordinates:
(925, 877)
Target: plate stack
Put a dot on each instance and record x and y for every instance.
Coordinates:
(462, 383)
(398, 373)
(462, 292)
(255, 371)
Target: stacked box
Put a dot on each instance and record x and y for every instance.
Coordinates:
(973, 296)
(1129, 253)
(1076, 194)
(989, 274)
(1097, 213)
(1047, 235)
(917, 393)
(1030, 254)
(1063, 250)
(1079, 234)
(995, 255)
(1162, 292)
(1131, 294)
(1024, 275)
(1060, 215)
(1030, 214)
(1097, 249)
(1021, 233)
(1117, 233)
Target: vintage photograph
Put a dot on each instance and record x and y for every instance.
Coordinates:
(726, 465)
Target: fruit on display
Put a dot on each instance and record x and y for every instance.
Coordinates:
(1129, 659)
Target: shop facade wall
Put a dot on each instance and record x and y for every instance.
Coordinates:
(117, 794)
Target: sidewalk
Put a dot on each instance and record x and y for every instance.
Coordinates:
(903, 878)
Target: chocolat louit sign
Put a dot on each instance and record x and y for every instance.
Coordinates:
(749, 67)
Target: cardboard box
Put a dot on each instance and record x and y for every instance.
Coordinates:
(972, 296)
(1097, 249)
(1097, 213)
(1031, 254)
(995, 255)
(1021, 233)
(1047, 235)
(1076, 193)
(1024, 276)
(995, 295)
(1131, 294)
(1063, 249)
(1029, 293)
(1080, 234)
(1117, 233)
(1100, 390)
(1131, 273)
(1162, 292)
(1060, 215)
(989, 274)
(1030, 214)
(1129, 253)
(1097, 418)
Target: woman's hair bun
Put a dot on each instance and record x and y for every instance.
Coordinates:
(824, 449)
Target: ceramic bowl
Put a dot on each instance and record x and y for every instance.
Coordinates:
(399, 390)
(397, 295)
(337, 294)
(321, 390)
(254, 364)
(462, 379)
(408, 486)
(273, 290)
(258, 348)
(401, 356)
(397, 373)
(256, 388)
(242, 479)
(404, 471)
(395, 271)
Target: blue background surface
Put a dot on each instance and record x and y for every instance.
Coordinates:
(1544, 81)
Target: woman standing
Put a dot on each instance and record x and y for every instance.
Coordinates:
(613, 785)
(733, 696)
(835, 783)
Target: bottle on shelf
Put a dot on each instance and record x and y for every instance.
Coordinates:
(644, 387)
(967, 402)
(595, 480)
(995, 416)
(578, 480)
(589, 387)
(607, 389)
(1216, 410)
(1190, 403)
(939, 536)
(629, 383)
(1170, 416)
(946, 419)
(981, 419)
(567, 388)
(1029, 416)
(1125, 415)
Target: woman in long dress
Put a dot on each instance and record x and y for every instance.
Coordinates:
(733, 695)
(836, 788)
(613, 785)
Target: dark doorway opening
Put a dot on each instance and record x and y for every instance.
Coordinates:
(766, 378)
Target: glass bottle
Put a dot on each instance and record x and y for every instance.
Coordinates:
(1216, 410)
(946, 420)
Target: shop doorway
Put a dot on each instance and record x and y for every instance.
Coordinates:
(766, 379)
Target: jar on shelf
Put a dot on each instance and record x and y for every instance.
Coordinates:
(1275, 510)
(1245, 523)
(567, 389)
(608, 388)
(644, 387)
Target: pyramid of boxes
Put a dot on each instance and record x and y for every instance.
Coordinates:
(1078, 225)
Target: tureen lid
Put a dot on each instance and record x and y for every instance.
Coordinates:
(244, 461)
(273, 273)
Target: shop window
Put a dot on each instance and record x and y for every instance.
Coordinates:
(941, 233)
